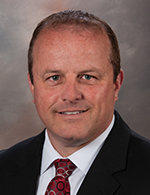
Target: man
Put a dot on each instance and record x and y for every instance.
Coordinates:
(75, 77)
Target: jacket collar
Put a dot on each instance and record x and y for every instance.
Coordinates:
(110, 160)
(32, 149)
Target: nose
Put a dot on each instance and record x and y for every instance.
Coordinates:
(71, 92)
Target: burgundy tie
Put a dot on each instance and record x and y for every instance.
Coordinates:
(59, 184)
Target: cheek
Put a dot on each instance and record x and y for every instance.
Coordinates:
(94, 94)
(100, 96)
(45, 98)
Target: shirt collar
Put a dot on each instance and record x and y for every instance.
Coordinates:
(49, 154)
(88, 153)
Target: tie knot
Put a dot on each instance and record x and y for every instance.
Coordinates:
(64, 167)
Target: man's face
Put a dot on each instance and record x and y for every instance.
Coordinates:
(73, 86)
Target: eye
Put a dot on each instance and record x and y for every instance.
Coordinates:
(87, 77)
(55, 77)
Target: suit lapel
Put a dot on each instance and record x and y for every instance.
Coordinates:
(98, 181)
(110, 160)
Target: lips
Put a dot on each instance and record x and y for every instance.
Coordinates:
(73, 112)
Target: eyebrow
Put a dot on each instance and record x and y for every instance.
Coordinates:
(50, 71)
(90, 70)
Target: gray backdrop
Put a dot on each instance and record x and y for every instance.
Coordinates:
(130, 19)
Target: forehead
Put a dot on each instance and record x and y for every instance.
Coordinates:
(71, 37)
(71, 50)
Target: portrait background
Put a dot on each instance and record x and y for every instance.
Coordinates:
(130, 19)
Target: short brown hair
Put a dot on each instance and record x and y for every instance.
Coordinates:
(79, 18)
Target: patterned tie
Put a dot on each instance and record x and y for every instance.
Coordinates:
(59, 184)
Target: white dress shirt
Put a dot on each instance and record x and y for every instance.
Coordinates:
(82, 158)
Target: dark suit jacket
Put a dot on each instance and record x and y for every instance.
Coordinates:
(122, 167)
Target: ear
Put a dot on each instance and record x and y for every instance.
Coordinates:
(118, 83)
(31, 87)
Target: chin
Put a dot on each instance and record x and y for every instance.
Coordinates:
(76, 140)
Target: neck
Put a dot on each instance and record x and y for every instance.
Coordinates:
(67, 147)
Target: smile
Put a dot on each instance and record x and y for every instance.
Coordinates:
(72, 113)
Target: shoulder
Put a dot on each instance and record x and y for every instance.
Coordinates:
(16, 149)
(9, 157)
(136, 143)
(139, 148)
(134, 175)
(22, 147)
(138, 154)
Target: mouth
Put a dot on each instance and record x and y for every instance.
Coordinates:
(73, 112)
